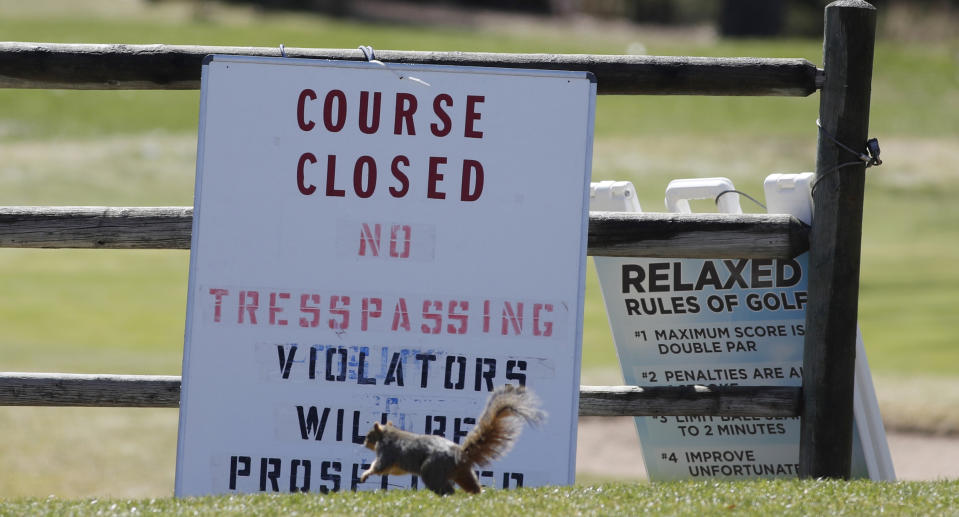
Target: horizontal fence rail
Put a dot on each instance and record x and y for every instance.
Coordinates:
(745, 401)
(620, 234)
(69, 389)
(158, 227)
(163, 391)
(177, 67)
(663, 235)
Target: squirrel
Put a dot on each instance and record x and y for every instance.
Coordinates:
(440, 462)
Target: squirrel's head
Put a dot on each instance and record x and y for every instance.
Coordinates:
(374, 436)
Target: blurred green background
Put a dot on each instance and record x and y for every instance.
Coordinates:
(123, 311)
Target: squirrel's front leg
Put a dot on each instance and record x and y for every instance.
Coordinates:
(370, 471)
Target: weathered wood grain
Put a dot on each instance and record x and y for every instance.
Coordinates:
(166, 227)
(618, 234)
(830, 342)
(109, 66)
(626, 234)
(61, 389)
(761, 401)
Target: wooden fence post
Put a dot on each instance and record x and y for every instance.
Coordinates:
(835, 242)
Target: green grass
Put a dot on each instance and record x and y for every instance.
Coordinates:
(909, 280)
(758, 498)
(82, 452)
(93, 311)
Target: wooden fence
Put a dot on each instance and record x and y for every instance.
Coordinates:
(824, 402)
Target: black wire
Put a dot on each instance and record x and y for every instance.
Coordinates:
(819, 177)
(869, 158)
(861, 155)
(741, 193)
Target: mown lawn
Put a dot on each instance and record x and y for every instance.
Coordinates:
(759, 498)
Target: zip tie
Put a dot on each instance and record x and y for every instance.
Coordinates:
(870, 157)
(371, 58)
(741, 193)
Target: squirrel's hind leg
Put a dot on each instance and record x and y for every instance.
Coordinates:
(466, 479)
(437, 480)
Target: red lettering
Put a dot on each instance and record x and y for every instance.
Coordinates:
(331, 189)
(276, 309)
(372, 126)
(512, 318)
(437, 319)
(310, 310)
(305, 125)
(437, 316)
(472, 175)
(460, 318)
(407, 230)
(435, 177)
(472, 116)
(336, 111)
(486, 316)
(339, 306)
(401, 317)
(366, 174)
(442, 115)
(367, 238)
(218, 302)
(547, 329)
(339, 97)
(405, 108)
(400, 175)
(368, 313)
(249, 303)
(305, 189)
(370, 164)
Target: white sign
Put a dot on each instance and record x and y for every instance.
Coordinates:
(380, 242)
(722, 322)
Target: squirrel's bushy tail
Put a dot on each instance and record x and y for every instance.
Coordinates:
(500, 424)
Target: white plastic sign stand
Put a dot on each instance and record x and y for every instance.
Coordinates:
(380, 242)
(716, 322)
